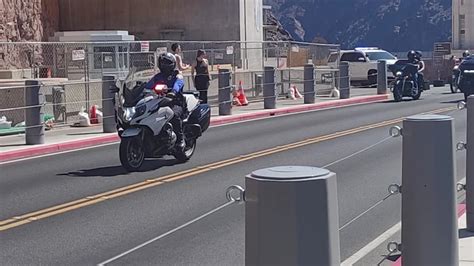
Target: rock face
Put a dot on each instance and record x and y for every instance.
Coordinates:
(396, 25)
(25, 20)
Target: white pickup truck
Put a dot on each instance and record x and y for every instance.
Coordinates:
(362, 63)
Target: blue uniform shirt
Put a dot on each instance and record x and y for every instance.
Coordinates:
(175, 84)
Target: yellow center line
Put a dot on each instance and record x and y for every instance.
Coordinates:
(122, 191)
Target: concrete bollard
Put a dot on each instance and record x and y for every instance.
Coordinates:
(34, 133)
(109, 124)
(308, 77)
(224, 93)
(344, 81)
(470, 165)
(291, 217)
(429, 221)
(269, 88)
(382, 77)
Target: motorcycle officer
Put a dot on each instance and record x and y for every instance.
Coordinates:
(169, 76)
(465, 55)
(413, 60)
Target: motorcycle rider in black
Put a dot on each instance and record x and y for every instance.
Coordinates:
(414, 61)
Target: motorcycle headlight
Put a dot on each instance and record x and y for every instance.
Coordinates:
(399, 74)
(128, 113)
(139, 111)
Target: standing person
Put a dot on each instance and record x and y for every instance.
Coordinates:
(176, 48)
(202, 78)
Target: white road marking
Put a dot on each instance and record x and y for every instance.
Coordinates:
(372, 245)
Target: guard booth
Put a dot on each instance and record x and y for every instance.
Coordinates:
(89, 55)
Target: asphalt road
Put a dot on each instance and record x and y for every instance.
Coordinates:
(95, 229)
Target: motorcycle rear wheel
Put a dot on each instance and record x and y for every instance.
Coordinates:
(132, 154)
(187, 152)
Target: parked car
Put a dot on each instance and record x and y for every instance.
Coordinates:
(363, 63)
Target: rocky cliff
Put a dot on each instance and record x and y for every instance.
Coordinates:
(25, 20)
(396, 25)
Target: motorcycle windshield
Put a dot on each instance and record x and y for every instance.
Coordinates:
(405, 67)
(133, 95)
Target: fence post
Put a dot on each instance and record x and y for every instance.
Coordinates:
(224, 92)
(291, 217)
(382, 77)
(470, 165)
(108, 108)
(429, 221)
(309, 84)
(34, 133)
(269, 88)
(344, 80)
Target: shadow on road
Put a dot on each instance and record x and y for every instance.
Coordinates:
(454, 101)
(112, 171)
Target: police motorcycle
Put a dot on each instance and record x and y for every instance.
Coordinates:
(143, 122)
(406, 83)
(466, 76)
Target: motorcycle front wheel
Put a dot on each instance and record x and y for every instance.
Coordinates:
(453, 86)
(397, 94)
(132, 154)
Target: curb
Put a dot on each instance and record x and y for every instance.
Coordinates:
(297, 109)
(460, 212)
(95, 141)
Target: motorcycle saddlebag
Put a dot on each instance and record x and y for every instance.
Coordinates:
(202, 116)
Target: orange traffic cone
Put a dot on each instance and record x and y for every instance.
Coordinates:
(242, 98)
(93, 115)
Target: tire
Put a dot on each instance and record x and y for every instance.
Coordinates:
(397, 94)
(438, 83)
(187, 153)
(372, 77)
(132, 154)
(418, 95)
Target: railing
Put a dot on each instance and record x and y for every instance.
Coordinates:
(62, 100)
(91, 60)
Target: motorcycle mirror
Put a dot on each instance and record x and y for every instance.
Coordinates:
(114, 89)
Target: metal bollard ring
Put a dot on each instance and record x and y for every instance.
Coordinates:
(394, 247)
(460, 187)
(394, 189)
(230, 197)
(461, 146)
(395, 131)
(462, 105)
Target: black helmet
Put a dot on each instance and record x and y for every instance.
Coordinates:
(167, 63)
(411, 55)
(418, 55)
(466, 54)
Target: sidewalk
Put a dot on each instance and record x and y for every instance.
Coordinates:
(67, 138)
(466, 241)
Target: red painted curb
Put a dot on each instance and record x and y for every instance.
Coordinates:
(461, 211)
(296, 109)
(90, 142)
(57, 147)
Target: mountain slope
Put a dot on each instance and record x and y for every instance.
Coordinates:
(395, 25)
